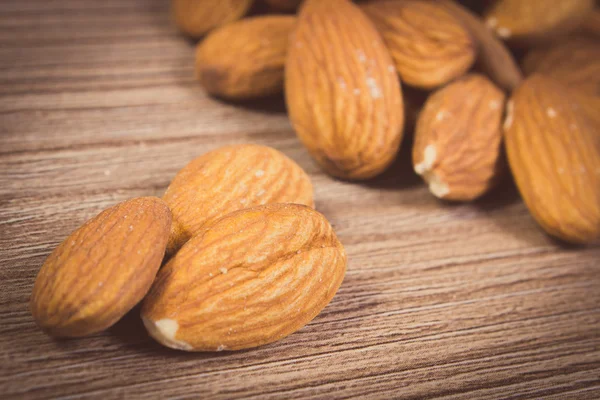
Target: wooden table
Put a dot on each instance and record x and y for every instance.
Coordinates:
(98, 104)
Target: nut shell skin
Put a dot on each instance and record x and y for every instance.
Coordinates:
(251, 278)
(342, 90)
(553, 150)
(458, 142)
(245, 59)
(228, 179)
(197, 17)
(429, 45)
(102, 270)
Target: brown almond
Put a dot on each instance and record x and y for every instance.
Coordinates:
(102, 270)
(249, 279)
(197, 17)
(245, 59)
(342, 90)
(228, 179)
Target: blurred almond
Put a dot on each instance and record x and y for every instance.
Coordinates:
(342, 90)
(245, 59)
(196, 17)
(534, 21)
(429, 46)
(457, 147)
(248, 279)
(228, 179)
(554, 154)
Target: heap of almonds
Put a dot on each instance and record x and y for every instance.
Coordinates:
(248, 259)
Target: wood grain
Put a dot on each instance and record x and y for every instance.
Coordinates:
(98, 104)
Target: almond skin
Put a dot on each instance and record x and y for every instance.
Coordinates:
(245, 59)
(197, 17)
(493, 56)
(342, 90)
(229, 179)
(430, 47)
(458, 139)
(554, 154)
(102, 270)
(250, 278)
(536, 21)
(574, 62)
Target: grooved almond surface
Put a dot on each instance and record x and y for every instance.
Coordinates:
(229, 179)
(197, 17)
(574, 62)
(493, 56)
(251, 278)
(245, 59)
(554, 155)
(430, 47)
(342, 90)
(458, 138)
(533, 21)
(102, 270)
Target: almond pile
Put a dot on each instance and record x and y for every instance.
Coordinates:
(248, 260)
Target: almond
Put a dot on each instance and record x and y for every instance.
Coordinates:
(534, 21)
(284, 5)
(554, 154)
(197, 17)
(342, 90)
(228, 179)
(102, 270)
(494, 58)
(574, 62)
(430, 47)
(250, 278)
(245, 59)
(458, 139)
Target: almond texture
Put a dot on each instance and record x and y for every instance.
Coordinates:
(458, 139)
(342, 90)
(250, 278)
(574, 62)
(245, 59)
(102, 270)
(228, 179)
(494, 58)
(430, 47)
(534, 21)
(197, 17)
(554, 154)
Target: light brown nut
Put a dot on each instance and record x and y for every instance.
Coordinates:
(574, 62)
(245, 59)
(342, 90)
(536, 21)
(228, 179)
(457, 147)
(284, 5)
(102, 270)
(251, 278)
(554, 154)
(197, 17)
(430, 47)
(493, 56)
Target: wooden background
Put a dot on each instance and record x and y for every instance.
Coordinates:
(98, 104)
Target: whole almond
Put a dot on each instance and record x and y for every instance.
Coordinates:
(493, 56)
(536, 21)
(458, 139)
(430, 47)
(197, 17)
(245, 59)
(250, 278)
(554, 154)
(102, 270)
(342, 90)
(228, 179)
(574, 62)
